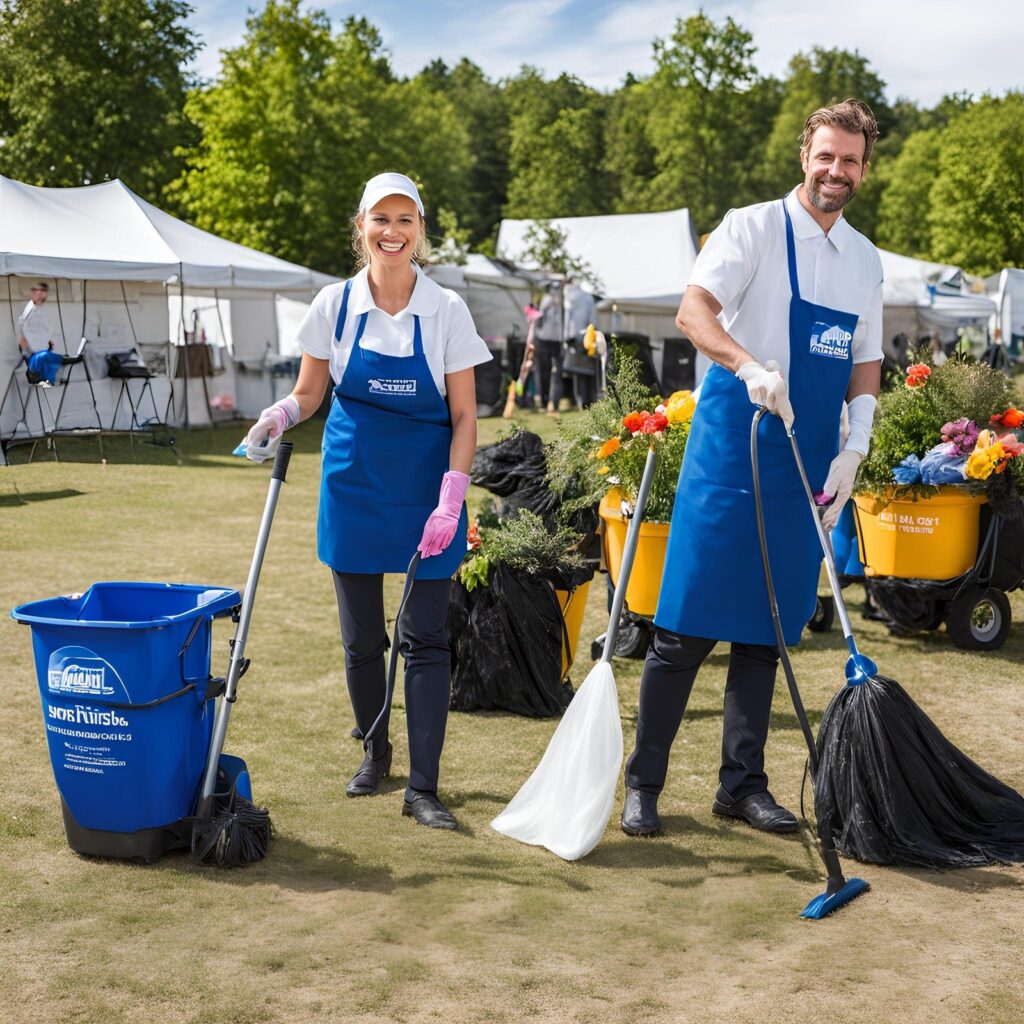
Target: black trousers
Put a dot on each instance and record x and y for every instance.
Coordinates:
(423, 639)
(547, 371)
(669, 672)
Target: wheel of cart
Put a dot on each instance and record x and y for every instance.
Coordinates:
(945, 559)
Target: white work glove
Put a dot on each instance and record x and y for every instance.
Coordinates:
(843, 471)
(262, 440)
(839, 484)
(766, 387)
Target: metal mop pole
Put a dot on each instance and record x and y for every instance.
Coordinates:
(238, 660)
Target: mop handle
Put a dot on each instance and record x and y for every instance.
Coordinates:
(389, 691)
(773, 603)
(220, 728)
(826, 547)
(628, 554)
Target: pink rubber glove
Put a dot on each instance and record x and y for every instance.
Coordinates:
(261, 441)
(444, 520)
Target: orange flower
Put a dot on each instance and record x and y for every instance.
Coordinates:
(917, 376)
(473, 537)
(633, 422)
(1012, 418)
(611, 445)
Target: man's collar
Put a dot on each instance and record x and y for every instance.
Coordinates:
(426, 295)
(805, 226)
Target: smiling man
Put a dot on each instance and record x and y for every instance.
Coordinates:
(786, 299)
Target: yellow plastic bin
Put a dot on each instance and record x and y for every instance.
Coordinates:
(645, 580)
(929, 539)
(573, 604)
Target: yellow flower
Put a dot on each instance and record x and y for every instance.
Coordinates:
(602, 470)
(611, 445)
(980, 464)
(590, 339)
(985, 439)
(679, 408)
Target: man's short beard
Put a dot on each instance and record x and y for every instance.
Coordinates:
(827, 205)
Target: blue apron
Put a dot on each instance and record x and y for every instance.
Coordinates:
(713, 585)
(386, 448)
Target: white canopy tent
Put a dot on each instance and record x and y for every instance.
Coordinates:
(920, 296)
(1006, 289)
(113, 262)
(495, 294)
(642, 262)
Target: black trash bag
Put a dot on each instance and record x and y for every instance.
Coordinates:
(573, 577)
(515, 470)
(509, 465)
(892, 789)
(506, 640)
(906, 603)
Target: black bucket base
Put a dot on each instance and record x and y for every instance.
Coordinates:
(146, 846)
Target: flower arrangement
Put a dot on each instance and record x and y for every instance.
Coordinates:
(953, 424)
(606, 446)
(523, 542)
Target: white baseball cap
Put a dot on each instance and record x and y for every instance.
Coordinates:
(389, 184)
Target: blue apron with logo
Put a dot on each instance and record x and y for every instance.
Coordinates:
(386, 448)
(713, 585)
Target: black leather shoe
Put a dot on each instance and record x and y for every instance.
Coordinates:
(640, 813)
(366, 781)
(759, 810)
(428, 810)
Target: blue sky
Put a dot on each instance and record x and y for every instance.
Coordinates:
(921, 49)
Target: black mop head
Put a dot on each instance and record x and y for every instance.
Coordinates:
(893, 790)
(238, 832)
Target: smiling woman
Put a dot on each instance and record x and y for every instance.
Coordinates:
(399, 352)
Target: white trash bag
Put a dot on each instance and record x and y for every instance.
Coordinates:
(565, 804)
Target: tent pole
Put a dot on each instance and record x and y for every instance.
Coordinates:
(184, 340)
(60, 315)
(13, 381)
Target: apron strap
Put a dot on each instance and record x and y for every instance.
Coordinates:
(417, 336)
(340, 325)
(794, 283)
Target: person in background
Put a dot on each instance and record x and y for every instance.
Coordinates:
(547, 362)
(34, 332)
(399, 351)
(786, 300)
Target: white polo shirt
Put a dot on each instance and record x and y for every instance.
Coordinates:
(450, 340)
(743, 264)
(34, 325)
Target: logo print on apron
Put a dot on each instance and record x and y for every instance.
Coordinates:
(830, 341)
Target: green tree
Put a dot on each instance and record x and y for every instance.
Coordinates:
(703, 113)
(555, 146)
(482, 108)
(976, 214)
(903, 212)
(818, 79)
(298, 121)
(94, 90)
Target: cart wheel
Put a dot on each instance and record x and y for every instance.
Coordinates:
(824, 615)
(979, 619)
(631, 641)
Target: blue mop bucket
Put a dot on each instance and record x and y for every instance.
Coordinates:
(124, 674)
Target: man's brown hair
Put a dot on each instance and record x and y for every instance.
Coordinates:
(851, 115)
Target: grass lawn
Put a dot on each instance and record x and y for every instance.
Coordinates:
(358, 914)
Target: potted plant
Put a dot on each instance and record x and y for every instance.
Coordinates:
(601, 454)
(946, 440)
